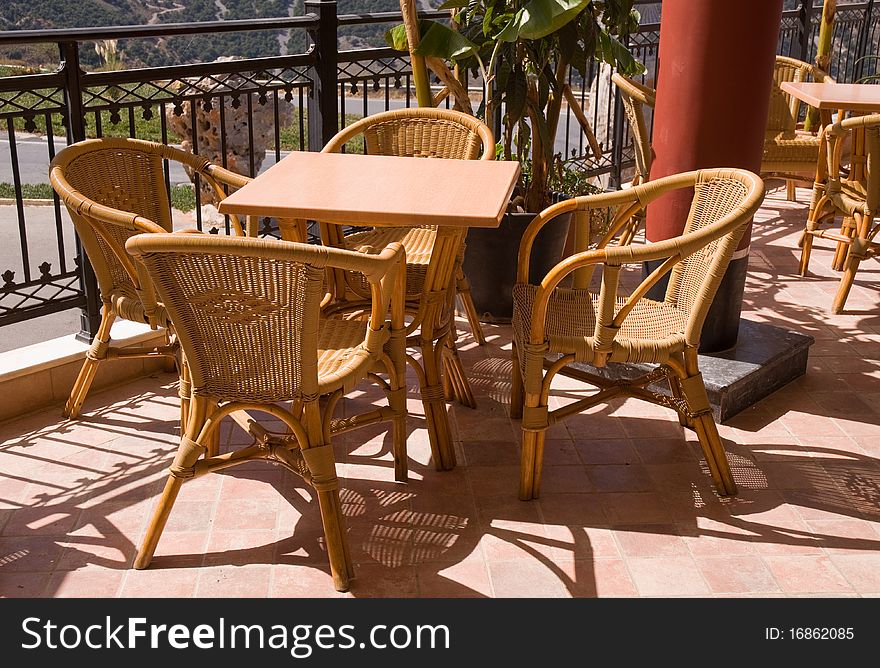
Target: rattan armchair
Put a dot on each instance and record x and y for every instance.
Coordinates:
(790, 153)
(853, 193)
(113, 189)
(425, 133)
(248, 316)
(434, 254)
(562, 321)
(635, 97)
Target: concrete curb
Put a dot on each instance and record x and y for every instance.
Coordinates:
(7, 201)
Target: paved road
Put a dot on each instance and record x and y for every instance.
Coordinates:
(33, 151)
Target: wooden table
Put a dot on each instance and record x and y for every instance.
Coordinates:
(373, 190)
(857, 98)
(832, 96)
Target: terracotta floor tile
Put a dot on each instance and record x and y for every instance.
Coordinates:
(572, 509)
(635, 508)
(86, 583)
(290, 581)
(234, 581)
(30, 554)
(160, 583)
(378, 581)
(468, 578)
(491, 453)
(25, 585)
(862, 571)
(807, 574)
(737, 575)
(598, 578)
(621, 478)
(574, 542)
(667, 576)
(606, 451)
(526, 579)
(649, 540)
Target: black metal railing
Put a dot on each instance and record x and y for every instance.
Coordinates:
(258, 108)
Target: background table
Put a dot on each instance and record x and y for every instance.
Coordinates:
(858, 98)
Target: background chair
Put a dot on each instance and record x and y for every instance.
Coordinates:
(113, 189)
(247, 313)
(555, 325)
(635, 97)
(853, 193)
(424, 133)
(791, 153)
(433, 254)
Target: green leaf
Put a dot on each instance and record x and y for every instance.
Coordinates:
(543, 17)
(454, 4)
(515, 94)
(396, 38)
(441, 41)
(510, 32)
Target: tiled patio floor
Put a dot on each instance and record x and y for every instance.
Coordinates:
(627, 509)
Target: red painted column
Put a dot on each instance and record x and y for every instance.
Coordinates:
(713, 91)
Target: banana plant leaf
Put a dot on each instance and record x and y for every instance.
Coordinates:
(540, 18)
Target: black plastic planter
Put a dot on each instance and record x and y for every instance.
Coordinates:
(490, 261)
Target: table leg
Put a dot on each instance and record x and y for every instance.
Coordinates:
(293, 229)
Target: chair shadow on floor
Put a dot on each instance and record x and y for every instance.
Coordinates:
(431, 537)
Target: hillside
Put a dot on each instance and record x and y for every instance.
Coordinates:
(44, 14)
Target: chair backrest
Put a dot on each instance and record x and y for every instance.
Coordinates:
(115, 188)
(422, 132)
(724, 202)
(247, 311)
(784, 108)
(635, 96)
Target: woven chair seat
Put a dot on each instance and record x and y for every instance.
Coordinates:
(851, 197)
(651, 333)
(417, 241)
(801, 147)
(342, 358)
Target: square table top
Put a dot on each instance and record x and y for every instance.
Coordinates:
(379, 190)
(847, 96)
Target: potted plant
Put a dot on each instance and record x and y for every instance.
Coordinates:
(523, 51)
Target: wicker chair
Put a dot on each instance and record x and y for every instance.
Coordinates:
(853, 193)
(426, 133)
(635, 96)
(556, 325)
(248, 316)
(434, 254)
(790, 152)
(113, 189)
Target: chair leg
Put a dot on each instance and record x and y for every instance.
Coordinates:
(187, 455)
(185, 393)
(790, 190)
(846, 281)
(694, 392)
(463, 287)
(806, 249)
(531, 464)
(459, 388)
(434, 404)
(675, 388)
(337, 542)
(397, 402)
(95, 355)
(516, 387)
(318, 456)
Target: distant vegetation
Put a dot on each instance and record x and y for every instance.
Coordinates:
(45, 14)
